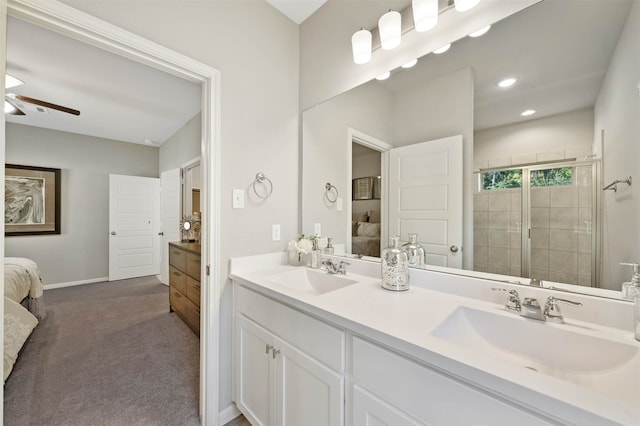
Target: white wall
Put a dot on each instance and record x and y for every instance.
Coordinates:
(256, 50)
(568, 135)
(81, 251)
(324, 154)
(182, 146)
(617, 112)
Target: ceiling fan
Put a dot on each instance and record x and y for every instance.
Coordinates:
(15, 104)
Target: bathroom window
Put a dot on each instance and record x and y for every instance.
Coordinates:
(561, 176)
(501, 179)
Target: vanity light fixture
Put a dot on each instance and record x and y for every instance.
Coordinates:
(425, 14)
(507, 82)
(410, 64)
(361, 46)
(480, 32)
(390, 26)
(528, 112)
(384, 76)
(442, 49)
(464, 5)
(10, 81)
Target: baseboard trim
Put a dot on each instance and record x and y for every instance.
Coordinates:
(74, 283)
(228, 414)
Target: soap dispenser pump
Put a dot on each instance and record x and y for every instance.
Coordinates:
(631, 289)
(315, 255)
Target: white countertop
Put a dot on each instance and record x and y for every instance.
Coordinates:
(404, 321)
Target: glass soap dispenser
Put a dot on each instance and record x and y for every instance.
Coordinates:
(633, 286)
(395, 267)
(415, 252)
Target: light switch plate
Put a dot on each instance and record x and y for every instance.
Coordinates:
(339, 204)
(238, 198)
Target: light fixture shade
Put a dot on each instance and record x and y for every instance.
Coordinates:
(464, 5)
(8, 108)
(361, 46)
(442, 49)
(425, 14)
(384, 76)
(11, 81)
(390, 27)
(480, 32)
(410, 64)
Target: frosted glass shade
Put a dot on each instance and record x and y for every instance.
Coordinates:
(425, 14)
(361, 46)
(464, 5)
(390, 27)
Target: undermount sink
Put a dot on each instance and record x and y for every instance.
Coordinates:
(310, 281)
(554, 350)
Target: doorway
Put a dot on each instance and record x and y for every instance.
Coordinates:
(86, 28)
(539, 222)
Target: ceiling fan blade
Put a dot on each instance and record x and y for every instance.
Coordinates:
(47, 104)
(16, 110)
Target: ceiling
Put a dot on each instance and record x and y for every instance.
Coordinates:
(532, 45)
(118, 98)
(297, 10)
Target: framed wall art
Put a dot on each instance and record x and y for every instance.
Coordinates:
(31, 200)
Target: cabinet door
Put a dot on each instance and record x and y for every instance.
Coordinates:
(307, 392)
(255, 380)
(368, 410)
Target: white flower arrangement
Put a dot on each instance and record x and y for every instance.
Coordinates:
(299, 249)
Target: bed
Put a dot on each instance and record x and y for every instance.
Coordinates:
(365, 238)
(22, 287)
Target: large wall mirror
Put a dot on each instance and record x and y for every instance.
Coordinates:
(500, 180)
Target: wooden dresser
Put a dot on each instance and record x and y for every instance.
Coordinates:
(184, 283)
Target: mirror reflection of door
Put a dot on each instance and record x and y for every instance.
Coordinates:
(191, 188)
(366, 170)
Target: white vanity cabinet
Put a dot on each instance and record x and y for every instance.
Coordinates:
(390, 389)
(288, 365)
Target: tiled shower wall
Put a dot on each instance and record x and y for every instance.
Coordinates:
(561, 231)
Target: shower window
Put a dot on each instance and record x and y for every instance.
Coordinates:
(501, 179)
(561, 176)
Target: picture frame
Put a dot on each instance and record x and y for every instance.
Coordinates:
(362, 188)
(377, 187)
(32, 200)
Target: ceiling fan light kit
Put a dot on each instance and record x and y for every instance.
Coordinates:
(13, 107)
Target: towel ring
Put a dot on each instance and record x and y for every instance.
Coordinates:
(261, 178)
(329, 191)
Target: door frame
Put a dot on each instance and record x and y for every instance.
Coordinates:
(376, 144)
(81, 26)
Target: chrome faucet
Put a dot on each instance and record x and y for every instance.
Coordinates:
(332, 268)
(530, 307)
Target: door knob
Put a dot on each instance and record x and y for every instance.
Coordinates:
(160, 233)
(113, 232)
(453, 248)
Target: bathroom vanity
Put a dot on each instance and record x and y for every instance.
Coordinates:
(313, 348)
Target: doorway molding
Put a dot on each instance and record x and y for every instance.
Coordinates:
(81, 26)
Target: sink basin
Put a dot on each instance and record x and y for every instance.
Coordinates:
(310, 281)
(555, 350)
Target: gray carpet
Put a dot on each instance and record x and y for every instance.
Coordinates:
(107, 354)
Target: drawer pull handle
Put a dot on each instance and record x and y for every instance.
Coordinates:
(197, 287)
(268, 348)
(197, 311)
(177, 294)
(275, 352)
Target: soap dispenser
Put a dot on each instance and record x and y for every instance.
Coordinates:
(631, 288)
(395, 267)
(329, 248)
(315, 255)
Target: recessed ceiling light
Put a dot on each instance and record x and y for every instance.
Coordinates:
(528, 112)
(149, 142)
(480, 32)
(507, 82)
(442, 49)
(10, 81)
(384, 76)
(410, 64)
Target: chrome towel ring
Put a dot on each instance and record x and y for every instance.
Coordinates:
(331, 193)
(262, 179)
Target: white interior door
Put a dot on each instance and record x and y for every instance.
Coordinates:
(134, 227)
(425, 197)
(169, 216)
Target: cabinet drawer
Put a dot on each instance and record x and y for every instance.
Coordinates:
(193, 265)
(193, 290)
(187, 310)
(317, 338)
(178, 280)
(428, 395)
(178, 258)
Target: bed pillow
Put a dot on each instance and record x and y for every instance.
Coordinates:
(18, 325)
(366, 229)
(374, 216)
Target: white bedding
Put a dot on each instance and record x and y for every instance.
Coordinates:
(18, 325)
(22, 279)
